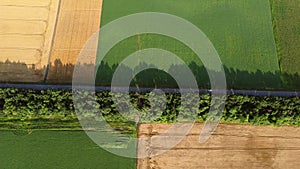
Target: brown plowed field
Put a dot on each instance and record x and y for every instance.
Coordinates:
(231, 146)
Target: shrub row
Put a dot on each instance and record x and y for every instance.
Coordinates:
(26, 105)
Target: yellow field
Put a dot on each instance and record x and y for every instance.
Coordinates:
(34, 32)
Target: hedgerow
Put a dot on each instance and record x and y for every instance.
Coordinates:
(20, 105)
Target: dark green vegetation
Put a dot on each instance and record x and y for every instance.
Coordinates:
(56, 149)
(31, 107)
(42, 107)
(241, 32)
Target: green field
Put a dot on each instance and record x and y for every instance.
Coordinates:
(287, 20)
(240, 30)
(56, 150)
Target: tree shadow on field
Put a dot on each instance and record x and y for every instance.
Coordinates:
(12, 71)
(60, 73)
(236, 79)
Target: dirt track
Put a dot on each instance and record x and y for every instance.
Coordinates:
(231, 146)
